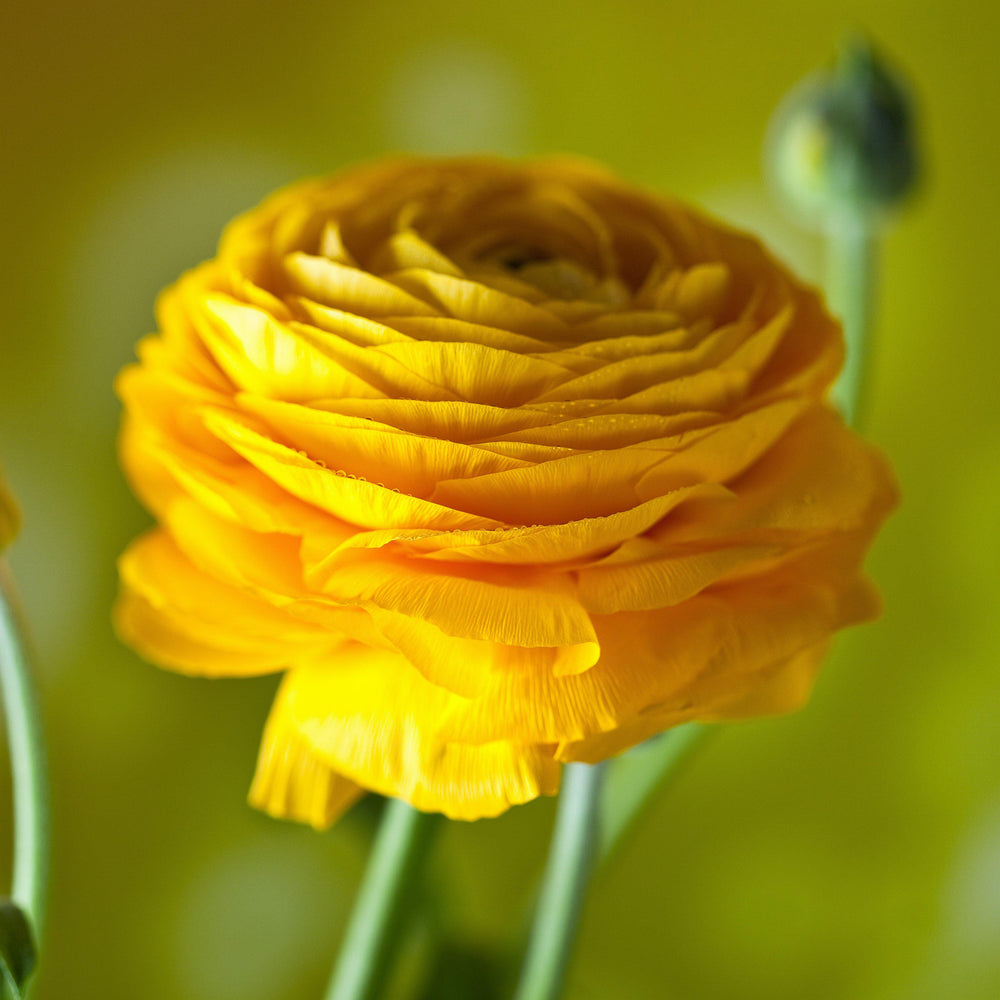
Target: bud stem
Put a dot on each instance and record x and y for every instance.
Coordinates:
(572, 857)
(372, 935)
(27, 762)
(850, 287)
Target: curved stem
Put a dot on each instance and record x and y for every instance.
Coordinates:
(372, 931)
(572, 856)
(27, 762)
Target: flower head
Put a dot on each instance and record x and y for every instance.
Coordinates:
(503, 465)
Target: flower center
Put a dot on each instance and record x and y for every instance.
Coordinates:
(554, 276)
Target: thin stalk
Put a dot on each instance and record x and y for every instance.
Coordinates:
(370, 941)
(850, 289)
(27, 762)
(572, 857)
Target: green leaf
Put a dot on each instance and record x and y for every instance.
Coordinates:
(17, 948)
(635, 778)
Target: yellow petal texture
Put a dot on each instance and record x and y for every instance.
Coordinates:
(370, 716)
(177, 614)
(503, 465)
(292, 781)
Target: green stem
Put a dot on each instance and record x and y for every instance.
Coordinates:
(27, 763)
(850, 289)
(572, 857)
(372, 932)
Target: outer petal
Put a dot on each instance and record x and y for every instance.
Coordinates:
(367, 604)
(372, 717)
(781, 687)
(179, 616)
(172, 403)
(235, 491)
(292, 781)
(504, 606)
(818, 482)
(661, 581)
(296, 361)
(460, 665)
(677, 657)
(819, 479)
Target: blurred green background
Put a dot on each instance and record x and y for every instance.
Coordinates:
(850, 852)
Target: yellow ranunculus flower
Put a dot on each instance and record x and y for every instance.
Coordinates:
(8, 515)
(504, 465)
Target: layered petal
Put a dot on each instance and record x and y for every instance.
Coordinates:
(372, 717)
(188, 620)
(292, 781)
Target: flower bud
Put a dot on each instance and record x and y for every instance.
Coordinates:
(844, 140)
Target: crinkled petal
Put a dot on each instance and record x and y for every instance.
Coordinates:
(372, 718)
(494, 603)
(817, 479)
(178, 615)
(292, 781)
(779, 688)
(649, 583)
(679, 656)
